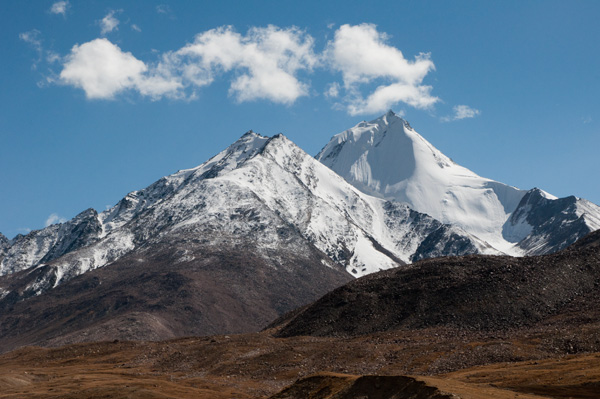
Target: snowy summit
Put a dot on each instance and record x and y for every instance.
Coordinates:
(389, 159)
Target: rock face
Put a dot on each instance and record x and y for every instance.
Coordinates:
(553, 224)
(387, 158)
(474, 293)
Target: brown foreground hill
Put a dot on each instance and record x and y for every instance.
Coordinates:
(464, 327)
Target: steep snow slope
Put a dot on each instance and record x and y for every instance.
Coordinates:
(387, 158)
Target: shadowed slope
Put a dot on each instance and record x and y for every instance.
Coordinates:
(213, 290)
(468, 292)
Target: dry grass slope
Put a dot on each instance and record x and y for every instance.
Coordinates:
(260, 366)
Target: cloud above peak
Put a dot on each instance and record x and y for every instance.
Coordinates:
(266, 63)
(360, 53)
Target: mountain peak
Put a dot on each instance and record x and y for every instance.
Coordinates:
(245, 147)
(376, 155)
(387, 158)
(248, 137)
(250, 133)
(390, 118)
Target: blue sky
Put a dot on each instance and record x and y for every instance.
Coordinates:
(100, 98)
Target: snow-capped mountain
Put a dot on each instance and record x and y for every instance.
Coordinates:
(260, 189)
(381, 196)
(388, 159)
(263, 228)
(256, 231)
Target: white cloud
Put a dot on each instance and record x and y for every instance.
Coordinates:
(109, 23)
(384, 97)
(102, 70)
(135, 28)
(54, 218)
(266, 60)
(333, 90)
(60, 7)
(362, 56)
(266, 63)
(464, 111)
(461, 112)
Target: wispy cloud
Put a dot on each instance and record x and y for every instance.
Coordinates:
(33, 38)
(54, 218)
(461, 112)
(48, 57)
(52, 57)
(164, 9)
(109, 23)
(135, 28)
(60, 7)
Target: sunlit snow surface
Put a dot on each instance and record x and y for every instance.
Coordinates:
(388, 159)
